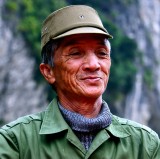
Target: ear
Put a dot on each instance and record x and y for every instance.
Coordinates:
(47, 71)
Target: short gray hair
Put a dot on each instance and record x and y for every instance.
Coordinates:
(48, 51)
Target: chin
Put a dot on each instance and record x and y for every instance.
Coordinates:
(93, 94)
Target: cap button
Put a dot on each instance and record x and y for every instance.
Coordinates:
(81, 16)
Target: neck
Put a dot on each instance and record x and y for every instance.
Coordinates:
(88, 107)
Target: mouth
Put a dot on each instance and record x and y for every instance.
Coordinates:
(91, 78)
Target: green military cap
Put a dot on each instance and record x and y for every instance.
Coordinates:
(70, 20)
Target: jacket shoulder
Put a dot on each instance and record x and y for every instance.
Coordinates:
(23, 120)
(135, 125)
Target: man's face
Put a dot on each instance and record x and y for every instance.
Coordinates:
(81, 66)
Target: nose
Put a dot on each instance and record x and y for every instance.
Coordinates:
(91, 62)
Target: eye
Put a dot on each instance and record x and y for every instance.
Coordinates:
(75, 53)
(103, 53)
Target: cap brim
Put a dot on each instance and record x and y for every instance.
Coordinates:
(83, 30)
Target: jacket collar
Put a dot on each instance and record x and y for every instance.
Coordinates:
(53, 122)
(116, 129)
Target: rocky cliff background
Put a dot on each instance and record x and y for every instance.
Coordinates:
(141, 22)
(20, 94)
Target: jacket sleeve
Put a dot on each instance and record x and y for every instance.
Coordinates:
(152, 144)
(156, 154)
(8, 146)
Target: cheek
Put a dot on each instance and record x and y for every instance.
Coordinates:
(106, 67)
(65, 75)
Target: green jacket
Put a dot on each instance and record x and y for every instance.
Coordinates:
(47, 136)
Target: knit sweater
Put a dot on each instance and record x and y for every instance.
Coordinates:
(87, 128)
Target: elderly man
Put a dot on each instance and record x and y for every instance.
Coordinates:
(78, 123)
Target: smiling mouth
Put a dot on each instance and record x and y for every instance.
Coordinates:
(91, 79)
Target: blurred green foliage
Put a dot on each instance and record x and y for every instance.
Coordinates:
(124, 50)
(148, 78)
(123, 54)
(31, 15)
